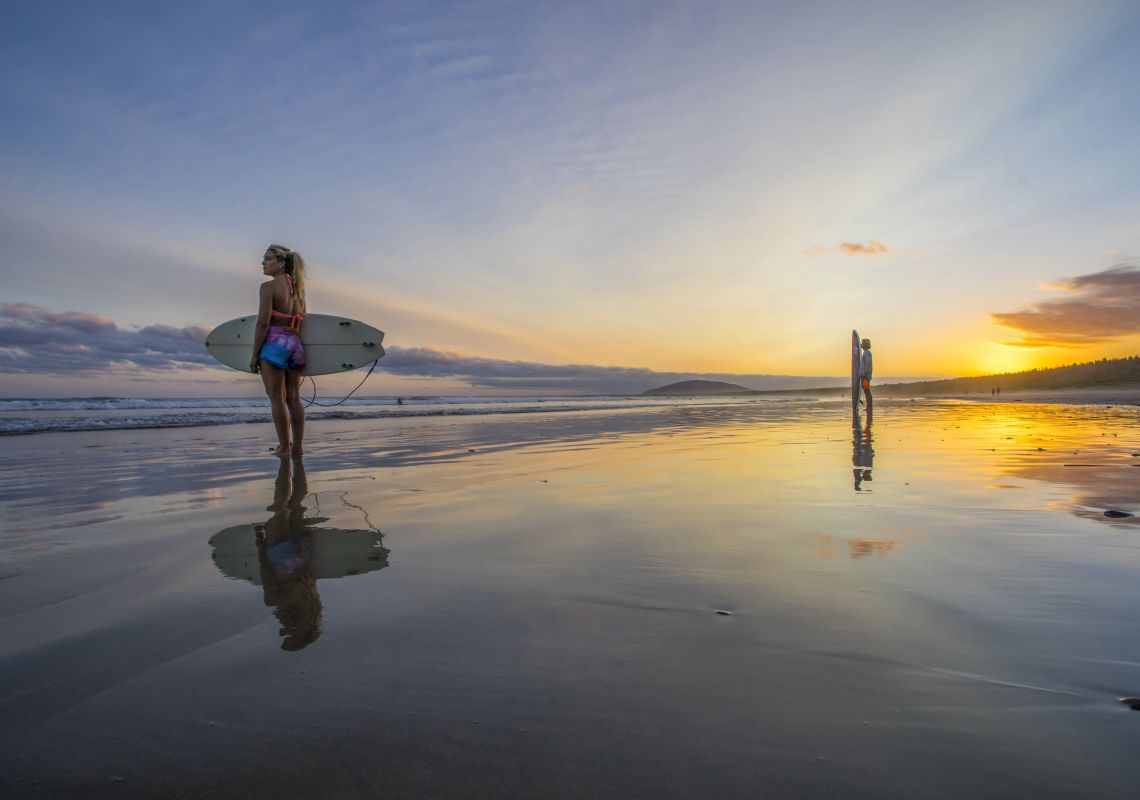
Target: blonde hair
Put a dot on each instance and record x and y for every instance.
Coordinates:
(295, 268)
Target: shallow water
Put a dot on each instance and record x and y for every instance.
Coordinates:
(933, 605)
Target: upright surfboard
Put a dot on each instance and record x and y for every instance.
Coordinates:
(855, 387)
(332, 344)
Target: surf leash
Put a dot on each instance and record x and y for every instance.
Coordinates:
(344, 499)
(313, 400)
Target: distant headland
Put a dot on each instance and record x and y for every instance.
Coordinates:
(699, 388)
(1107, 373)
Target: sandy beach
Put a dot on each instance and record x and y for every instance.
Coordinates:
(1096, 396)
(753, 600)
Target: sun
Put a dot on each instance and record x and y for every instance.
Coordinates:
(995, 359)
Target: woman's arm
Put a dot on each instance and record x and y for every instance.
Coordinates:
(264, 312)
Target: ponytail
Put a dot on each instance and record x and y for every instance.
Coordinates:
(295, 266)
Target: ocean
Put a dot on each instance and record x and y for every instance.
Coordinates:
(43, 415)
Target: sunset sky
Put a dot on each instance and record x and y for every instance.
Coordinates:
(670, 188)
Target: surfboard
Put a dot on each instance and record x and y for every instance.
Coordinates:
(332, 344)
(855, 387)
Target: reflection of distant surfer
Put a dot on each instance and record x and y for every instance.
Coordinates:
(285, 553)
(862, 454)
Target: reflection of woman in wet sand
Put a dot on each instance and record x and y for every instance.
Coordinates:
(285, 551)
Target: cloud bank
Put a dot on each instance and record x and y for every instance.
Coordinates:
(1098, 307)
(36, 340)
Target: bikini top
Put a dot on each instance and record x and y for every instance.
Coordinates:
(295, 320)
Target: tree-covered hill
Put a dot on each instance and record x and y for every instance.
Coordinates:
(1106, 373)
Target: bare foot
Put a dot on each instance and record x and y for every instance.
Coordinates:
(296, 451)
(281, 450)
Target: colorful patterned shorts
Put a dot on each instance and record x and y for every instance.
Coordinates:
(282, 349)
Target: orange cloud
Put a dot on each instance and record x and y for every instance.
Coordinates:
(1100, 307)
(872, 248)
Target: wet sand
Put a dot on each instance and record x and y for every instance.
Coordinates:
(1103, 396)
(534, 606)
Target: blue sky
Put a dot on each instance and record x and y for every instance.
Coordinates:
(661, 186)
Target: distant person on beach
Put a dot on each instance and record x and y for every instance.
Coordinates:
(865, 372)
(277, 351)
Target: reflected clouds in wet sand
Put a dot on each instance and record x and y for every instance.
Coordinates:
(288, 554)
(860, 547)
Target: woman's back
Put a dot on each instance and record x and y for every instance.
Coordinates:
(285, 302)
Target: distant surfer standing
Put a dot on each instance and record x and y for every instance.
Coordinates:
(278, 353)
(865, 372)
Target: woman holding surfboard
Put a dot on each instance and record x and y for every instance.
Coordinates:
(278, 353)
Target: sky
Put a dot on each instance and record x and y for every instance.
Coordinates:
(554, 197)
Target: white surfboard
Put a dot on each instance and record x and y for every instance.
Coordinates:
(855, 383)
(332, 344)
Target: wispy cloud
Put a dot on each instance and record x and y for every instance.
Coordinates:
(872, 248)
(37, 340)
(1098, 307)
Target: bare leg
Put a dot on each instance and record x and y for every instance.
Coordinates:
(870, 404)
(296, 409)
(274, 380)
